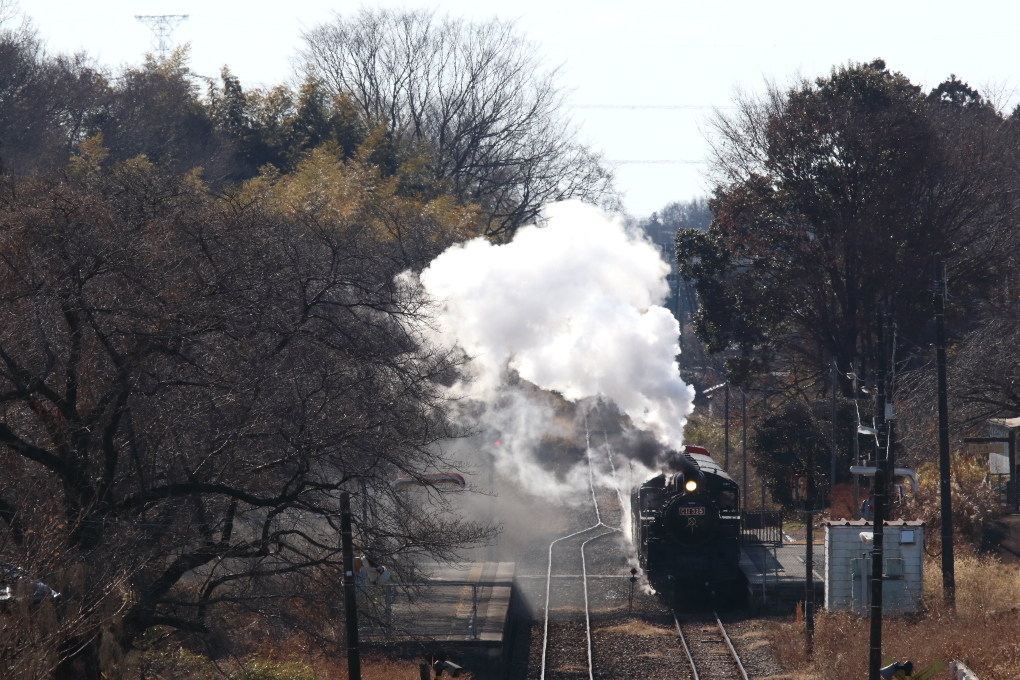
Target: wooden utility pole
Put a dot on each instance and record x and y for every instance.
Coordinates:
(726, 428)
(350, 592)
(877, 552)
(834, 376)
(809, 565)
(761, 418)
(764, 411)
(945, 490)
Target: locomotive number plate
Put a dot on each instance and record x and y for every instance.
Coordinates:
(691, 511)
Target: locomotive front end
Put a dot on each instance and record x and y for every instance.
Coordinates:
(687, 523)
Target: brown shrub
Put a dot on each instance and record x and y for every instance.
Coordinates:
(182, 665)
(841, 501)
(975, 503)
(981, 633)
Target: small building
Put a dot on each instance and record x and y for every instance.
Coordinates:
(846, 558)
(996, 453)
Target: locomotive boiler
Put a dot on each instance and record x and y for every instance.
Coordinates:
(687, 525)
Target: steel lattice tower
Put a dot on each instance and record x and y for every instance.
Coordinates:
(162, 26)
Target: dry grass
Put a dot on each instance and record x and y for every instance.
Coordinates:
(181, 665)
(635, 627)
(983, 584)
(382, 669)
(982, 632)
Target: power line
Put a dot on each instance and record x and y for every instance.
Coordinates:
(685, 107)
(162, 26)
(656, 162)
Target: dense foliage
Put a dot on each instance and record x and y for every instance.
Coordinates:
(205, 340)
(834, 197)
(457, 109)
(190, 379)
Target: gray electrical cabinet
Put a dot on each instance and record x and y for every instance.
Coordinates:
(847, 561)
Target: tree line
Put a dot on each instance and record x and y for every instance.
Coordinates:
(466, 109)
(204, 337)
(831, 200)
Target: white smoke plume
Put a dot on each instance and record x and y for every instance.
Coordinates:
(572, 306)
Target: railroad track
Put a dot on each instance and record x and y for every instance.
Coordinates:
(567, 642)
(708, 647)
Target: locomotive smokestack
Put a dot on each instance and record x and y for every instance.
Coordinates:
(687, 471)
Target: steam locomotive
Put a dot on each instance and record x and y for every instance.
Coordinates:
(687, 525)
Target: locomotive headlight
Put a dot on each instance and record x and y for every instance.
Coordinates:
(691, 485)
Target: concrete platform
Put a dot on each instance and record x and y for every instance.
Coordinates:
(776, 575)
(465, 611)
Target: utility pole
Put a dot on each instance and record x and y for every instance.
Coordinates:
(809, 568)
(764, 410)
(833, 374)
(877, 552)
(350, 592)
(743, 443)
(726, 428)
(889, 351)
(162, 26)
(857, 443)
(945, 490)
(1012, 495)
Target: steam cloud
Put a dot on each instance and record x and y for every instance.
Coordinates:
(572, 306)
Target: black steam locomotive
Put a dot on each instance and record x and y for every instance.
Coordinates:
(687, 525)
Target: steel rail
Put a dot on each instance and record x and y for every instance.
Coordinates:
(587, 615)
(687, 650)
(548, 582)
(733, 652)
(548, 574)
(726, 639)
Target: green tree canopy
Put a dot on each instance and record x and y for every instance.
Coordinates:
(833, 197)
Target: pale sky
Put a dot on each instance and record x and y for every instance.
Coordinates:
(620, 54)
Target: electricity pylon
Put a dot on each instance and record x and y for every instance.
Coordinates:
(162, 26)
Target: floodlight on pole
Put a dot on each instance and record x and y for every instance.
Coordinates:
(162, 26)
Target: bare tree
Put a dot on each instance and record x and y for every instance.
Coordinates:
(474, 96)
(190, 383)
